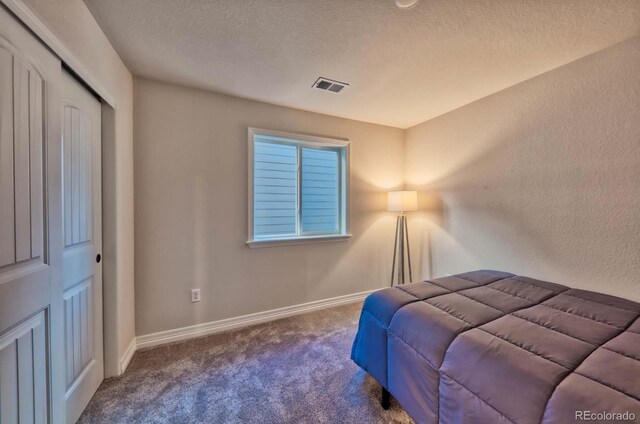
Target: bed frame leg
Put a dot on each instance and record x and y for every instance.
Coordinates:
(385, 400)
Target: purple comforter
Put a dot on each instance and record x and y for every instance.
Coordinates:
(492, 347)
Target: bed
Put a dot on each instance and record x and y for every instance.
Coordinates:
(492, 347)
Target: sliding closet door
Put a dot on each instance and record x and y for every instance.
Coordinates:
(31, 332)
(82, 269)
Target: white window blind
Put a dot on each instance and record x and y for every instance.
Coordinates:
(275, 189)
(298, 188)
(320, 191)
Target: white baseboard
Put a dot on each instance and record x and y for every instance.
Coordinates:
(213, 327)
(128, 354)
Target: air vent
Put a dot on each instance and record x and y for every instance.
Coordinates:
(329, 85)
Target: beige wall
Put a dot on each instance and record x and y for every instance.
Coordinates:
(541, 179)
(73, 24)
(191, 210)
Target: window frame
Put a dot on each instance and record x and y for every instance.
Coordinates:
(342, 146)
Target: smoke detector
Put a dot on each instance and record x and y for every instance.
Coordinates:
(329, 85)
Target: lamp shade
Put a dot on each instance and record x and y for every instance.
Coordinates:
(402, 201)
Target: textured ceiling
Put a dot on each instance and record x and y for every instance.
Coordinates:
(403, 66)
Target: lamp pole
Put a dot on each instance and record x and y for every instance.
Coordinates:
(400, 250)
(401, 201)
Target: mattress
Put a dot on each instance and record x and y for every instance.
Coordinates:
(493, 347)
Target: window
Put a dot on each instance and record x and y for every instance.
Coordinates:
(298, 188)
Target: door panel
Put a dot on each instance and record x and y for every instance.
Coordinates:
(82, 275)
(21, 143)
(79, 313)
(22, 365)
(78, 137)
(31, 374)
(19, 185)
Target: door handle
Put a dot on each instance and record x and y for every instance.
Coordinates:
(98, 258)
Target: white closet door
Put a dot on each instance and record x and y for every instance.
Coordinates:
(31, 331)
(82, 269)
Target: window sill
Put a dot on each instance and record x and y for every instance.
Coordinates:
(298, 240)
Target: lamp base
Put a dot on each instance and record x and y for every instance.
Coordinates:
(401, 251)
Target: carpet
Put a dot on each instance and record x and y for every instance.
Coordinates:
(294, 370)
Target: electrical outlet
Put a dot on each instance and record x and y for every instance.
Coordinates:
(195, 295)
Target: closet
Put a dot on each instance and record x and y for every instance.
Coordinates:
(51, 359)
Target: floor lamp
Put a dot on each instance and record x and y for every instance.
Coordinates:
(401, 201)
